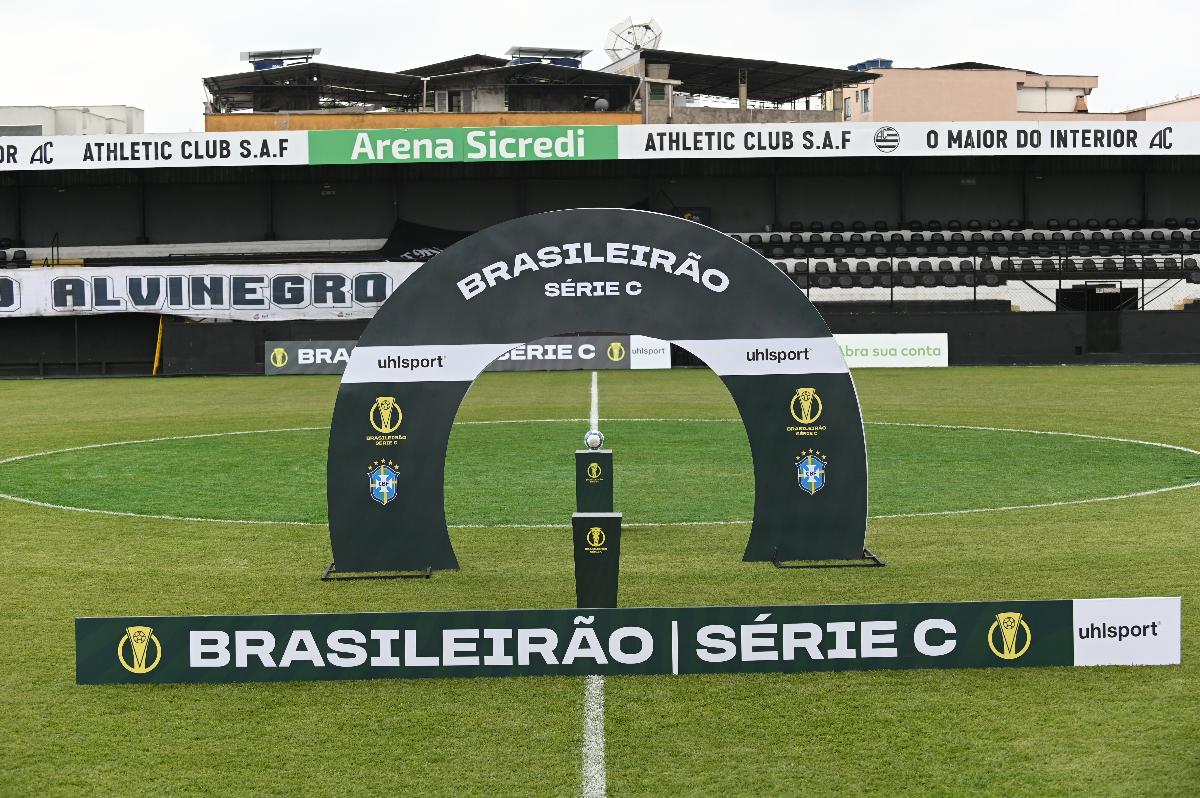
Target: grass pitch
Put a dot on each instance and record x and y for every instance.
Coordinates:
(1057, 731)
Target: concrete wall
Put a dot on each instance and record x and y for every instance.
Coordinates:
(955, 196)
(924, 95)
(722, 116)
(319, 120)
(1084, 195)
(820, 198)
(1184, 110)
(76, 120)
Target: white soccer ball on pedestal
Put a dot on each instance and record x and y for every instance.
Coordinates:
(594, 439)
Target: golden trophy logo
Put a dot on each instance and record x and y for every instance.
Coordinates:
(593, 472)
(139, 639)
(806, 405)
(1010, 625)
(616, 352)
(595, 538)
(279, 357)
(386, 415)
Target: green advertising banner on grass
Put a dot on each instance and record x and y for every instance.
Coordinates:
(655, 640)
(465, 145)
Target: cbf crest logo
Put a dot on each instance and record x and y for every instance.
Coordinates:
(810, 471)
(382, 479)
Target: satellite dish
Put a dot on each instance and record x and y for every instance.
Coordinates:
(628, 37)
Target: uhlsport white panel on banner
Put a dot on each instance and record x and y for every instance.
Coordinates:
(1127, 631)
(895, 350)
(149, 151)
(217, 291)
(648, 353)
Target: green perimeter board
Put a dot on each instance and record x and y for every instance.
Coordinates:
(646, 273)
(474, 145)
(650, 641)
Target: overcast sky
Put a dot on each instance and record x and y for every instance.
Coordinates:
(154, 54)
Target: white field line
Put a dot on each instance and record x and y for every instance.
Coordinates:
(1005, 508)
(593, 776)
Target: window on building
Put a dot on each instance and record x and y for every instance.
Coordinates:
(658, 91)
(866, 100)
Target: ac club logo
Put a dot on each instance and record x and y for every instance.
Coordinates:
(887, 139)
(810, 471)
(382, 478)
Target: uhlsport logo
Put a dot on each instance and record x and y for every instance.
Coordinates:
(595, 541)
(616, 352)
(887, 139)
(1010, 625)
(139, 639)
(382, 479)
(279, 357)
(810, 471)
(386, 415)
(594, 472)
(806, 405)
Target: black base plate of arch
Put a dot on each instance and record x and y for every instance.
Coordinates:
(331, 575)
(869, 560)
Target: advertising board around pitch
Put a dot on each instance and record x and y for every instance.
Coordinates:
(564, 353)
(628, 641)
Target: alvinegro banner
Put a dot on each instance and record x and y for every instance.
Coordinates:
(217, 291)
(686, 640)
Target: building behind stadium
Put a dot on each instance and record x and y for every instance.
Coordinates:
(983, 201)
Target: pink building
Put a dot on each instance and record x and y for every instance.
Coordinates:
(969, 91)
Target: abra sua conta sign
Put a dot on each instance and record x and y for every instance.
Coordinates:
(677, 641)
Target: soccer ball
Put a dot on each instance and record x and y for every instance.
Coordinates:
(594, 439)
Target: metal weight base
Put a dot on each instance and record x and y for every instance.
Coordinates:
(331, 575)
(869, 560)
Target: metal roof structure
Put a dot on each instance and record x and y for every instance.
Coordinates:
(768, 81)
(305, 86)
(457, 65)
(535, 73)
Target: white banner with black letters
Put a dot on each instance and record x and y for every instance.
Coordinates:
(225, 291)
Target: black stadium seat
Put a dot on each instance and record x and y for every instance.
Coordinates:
(1191, 223)
(837, 227)
(1092, 224)
(974, 225)
(1170, 223)
(994, 224)
(1053, 224)
(954, 225)
(817, 227)
(755, 241)
(881, 226)
(858, 227)
(796, 227)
